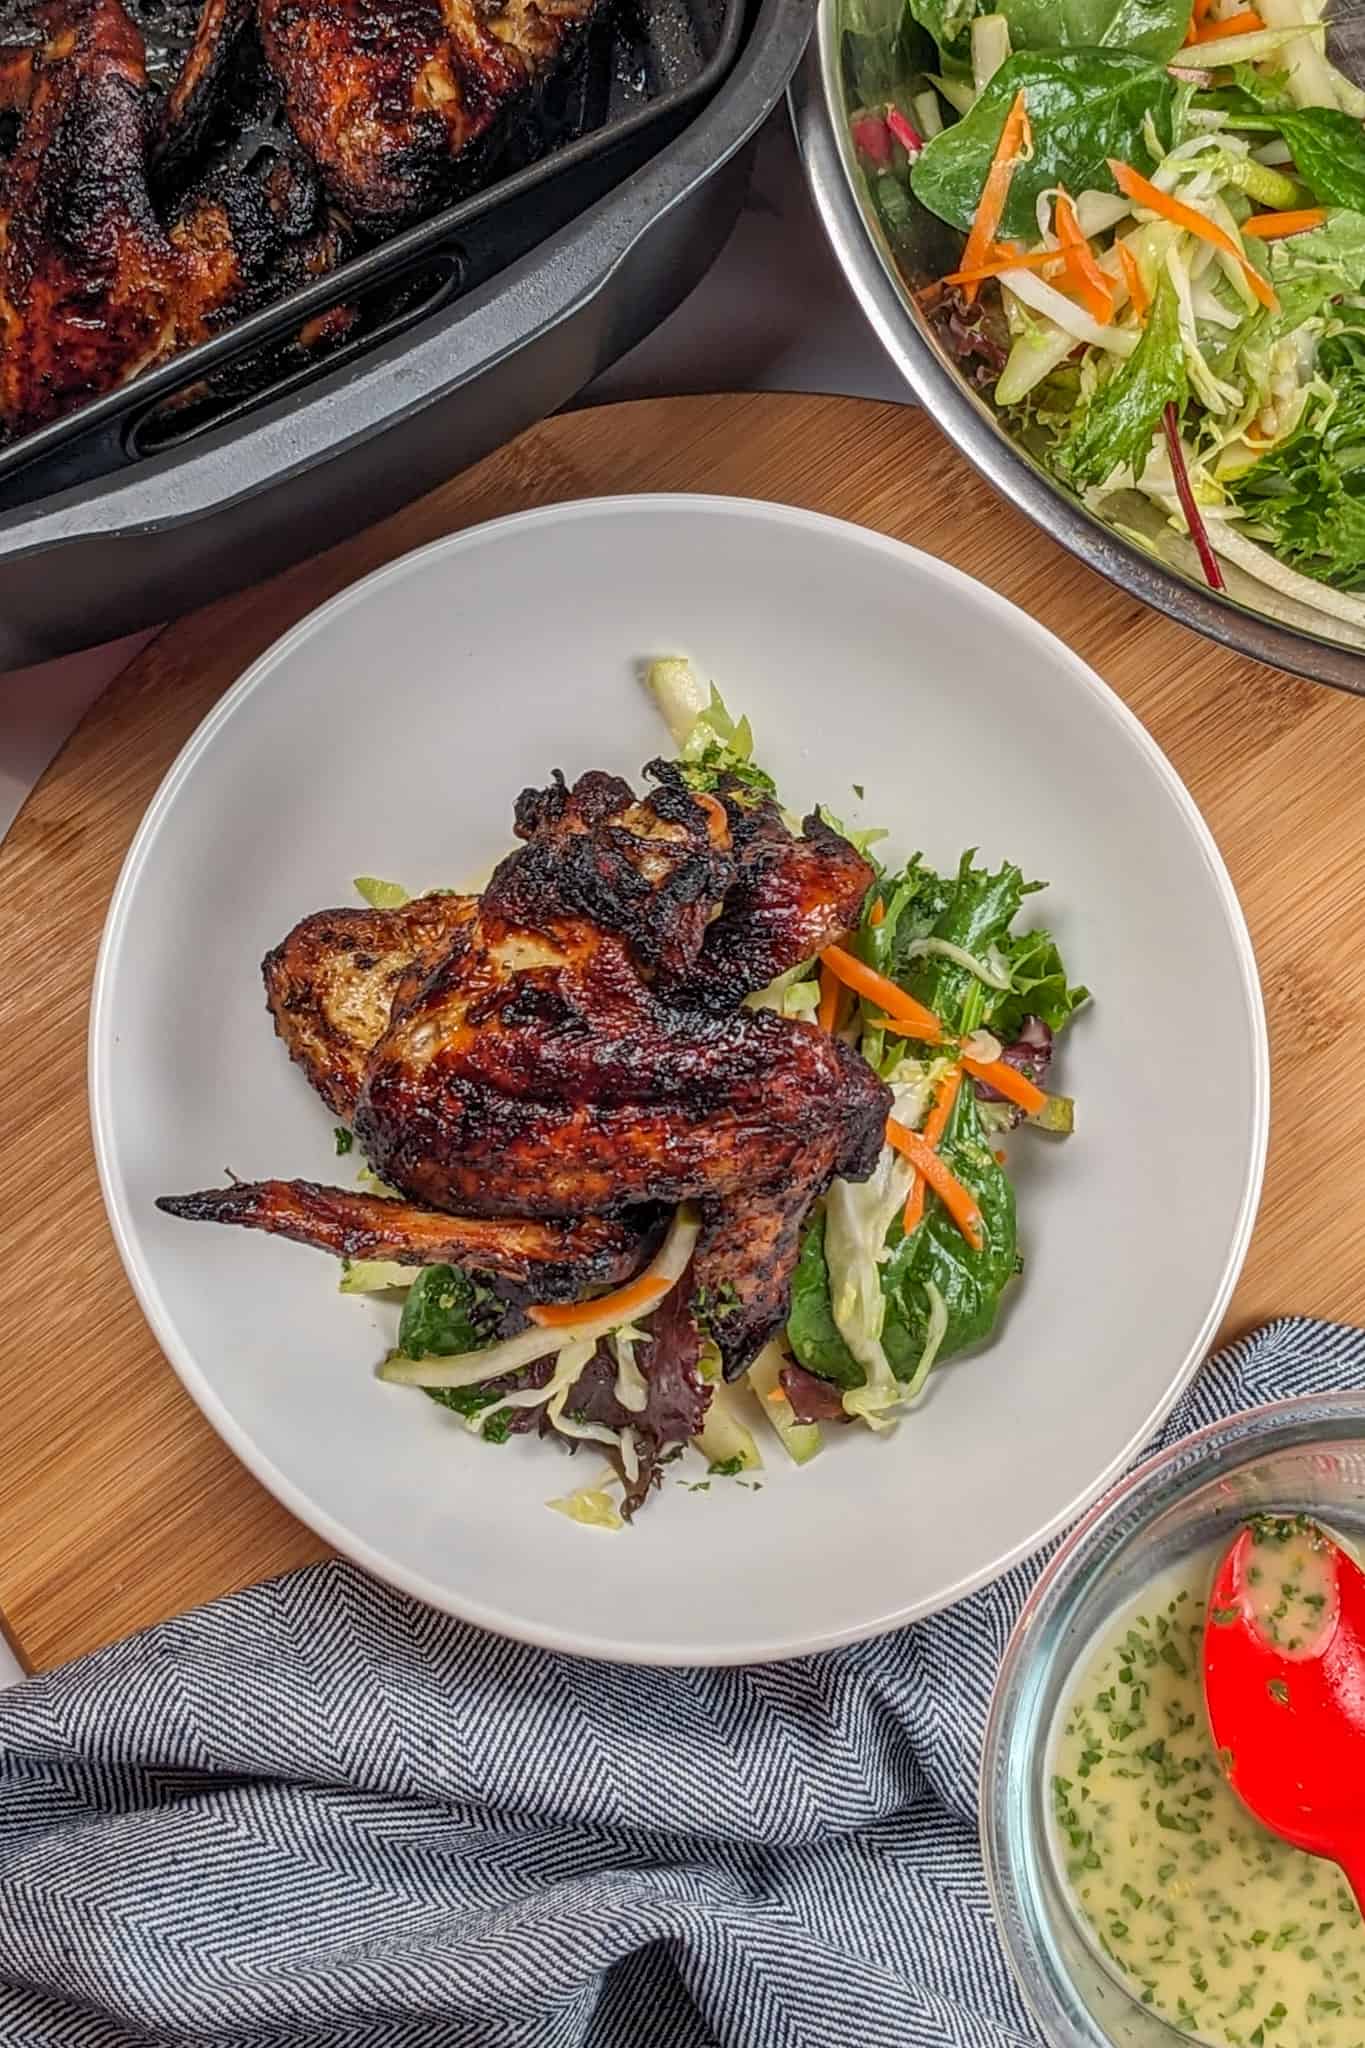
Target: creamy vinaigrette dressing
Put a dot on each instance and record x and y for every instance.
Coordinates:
(1224, 1929)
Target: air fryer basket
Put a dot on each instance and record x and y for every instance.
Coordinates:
(606, 252)
(637, 71)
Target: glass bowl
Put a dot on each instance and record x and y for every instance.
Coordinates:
(1304, 1455)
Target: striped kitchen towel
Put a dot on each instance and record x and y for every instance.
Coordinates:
(319, 1814)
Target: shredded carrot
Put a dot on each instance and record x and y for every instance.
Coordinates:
(957, 1200)
(1247, 23)
(831, 988)
(1143, 192)
(901, 1010)
(1132, 277)
(1007, 1081)
(777, 1394)
(998, 262)
(1094, 290)
(877, 914)
(1266, 227)
(717, 823)
(635, 1299)
(935, 1124)
(1015, 144)
(1000, 1158)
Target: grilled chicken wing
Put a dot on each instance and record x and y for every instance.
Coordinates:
(555, 1050)
(330, 985)
(385, 94)
(546, 1261)
(787, 899)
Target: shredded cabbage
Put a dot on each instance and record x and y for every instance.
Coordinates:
(935, 1332)
(471, 1368)
(993, 972)
(857, 1218)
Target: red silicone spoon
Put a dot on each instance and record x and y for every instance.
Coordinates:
(1284, 1680)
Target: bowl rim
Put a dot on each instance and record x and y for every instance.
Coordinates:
(138, 1267)
(813, 98)
(1255, 1429)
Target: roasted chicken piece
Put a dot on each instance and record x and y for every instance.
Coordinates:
(330, 985)
(93, 286)
(550, 1261)
(385, 95)
(533, 1061)
(788, 898)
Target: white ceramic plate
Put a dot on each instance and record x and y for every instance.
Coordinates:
(388, 734)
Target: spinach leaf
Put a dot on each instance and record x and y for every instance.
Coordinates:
(1084, 106)
(1040, 987)
(446, 1312)
(877, 57)
(1307, 497)
(1117, 426)
(948, 22)
(1147, 28)
(1328, 149)
(971, 1283)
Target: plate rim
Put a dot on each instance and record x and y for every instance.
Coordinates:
(101, 1032)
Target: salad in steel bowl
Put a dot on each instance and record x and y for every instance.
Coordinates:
(1158, 271)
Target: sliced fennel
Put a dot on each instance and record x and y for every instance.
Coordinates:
(679, 695)
(372, 1276)
(990, 37)
(471, 1368)
(631, 1387)
(381, 895)
(800, 1440)
(725, 1435)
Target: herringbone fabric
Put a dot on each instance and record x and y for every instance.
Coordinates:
(319, 1814)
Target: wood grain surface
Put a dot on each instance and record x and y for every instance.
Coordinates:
(118, 1505)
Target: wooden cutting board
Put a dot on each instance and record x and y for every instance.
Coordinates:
(118, 1505)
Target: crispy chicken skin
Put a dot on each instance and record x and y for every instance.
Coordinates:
(330, 985)
(537, 1261)
(385, 95)
(788, 898)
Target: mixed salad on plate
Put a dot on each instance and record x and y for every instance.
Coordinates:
(959, 1012)
(687, 1128)
(1162, 281)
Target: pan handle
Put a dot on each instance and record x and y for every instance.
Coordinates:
(340, 412)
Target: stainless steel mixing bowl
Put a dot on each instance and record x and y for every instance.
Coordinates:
(1249, 618)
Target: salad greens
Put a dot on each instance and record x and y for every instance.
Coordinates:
(1165, 271)
(1085, 106)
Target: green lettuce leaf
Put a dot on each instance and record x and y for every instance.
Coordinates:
(1146, 28)
(971, 1283)
(1084, 107)
(1117, 426)
(1040, 987)
(1306, 498)
(1308, 271)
